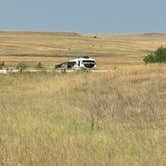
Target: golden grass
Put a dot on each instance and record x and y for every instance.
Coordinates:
(45, 47)
(116, 118)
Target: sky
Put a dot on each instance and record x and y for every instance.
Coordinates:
(84, 16)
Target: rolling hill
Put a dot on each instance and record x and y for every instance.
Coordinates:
(48, 46)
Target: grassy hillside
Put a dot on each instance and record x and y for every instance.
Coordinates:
(116, 118)
(33, 46)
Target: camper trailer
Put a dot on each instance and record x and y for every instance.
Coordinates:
(78, 63)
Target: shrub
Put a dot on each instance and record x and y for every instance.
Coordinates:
(39, 66)
(2, 65)
(158, 56)
(21, 67)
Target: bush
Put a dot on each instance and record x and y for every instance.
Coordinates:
(2, 65)
(21, 67)
(158, 56)
(39, 66)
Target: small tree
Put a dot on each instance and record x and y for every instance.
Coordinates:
(158, 56)
(21, 67)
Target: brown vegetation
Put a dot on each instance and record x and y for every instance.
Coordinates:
(114, 118)
(56, 47)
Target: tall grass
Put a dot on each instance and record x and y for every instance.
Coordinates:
(114, 118)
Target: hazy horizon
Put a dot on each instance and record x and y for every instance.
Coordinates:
(49, 31)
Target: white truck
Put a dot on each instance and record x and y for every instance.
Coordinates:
(78, 63)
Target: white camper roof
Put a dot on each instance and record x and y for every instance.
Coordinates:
(81, 59)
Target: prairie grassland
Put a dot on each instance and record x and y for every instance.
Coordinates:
(49, 47)
(116, 118)
(71, 44)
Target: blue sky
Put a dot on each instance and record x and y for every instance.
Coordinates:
(84, 16)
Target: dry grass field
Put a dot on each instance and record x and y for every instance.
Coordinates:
(50, 48)
(116, 118)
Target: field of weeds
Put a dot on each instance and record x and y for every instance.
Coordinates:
(116, 118)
